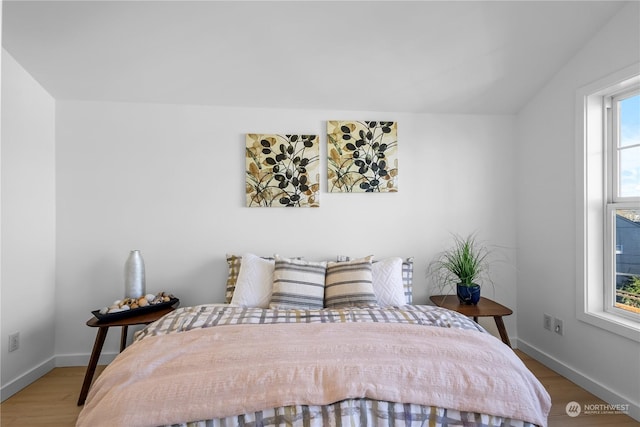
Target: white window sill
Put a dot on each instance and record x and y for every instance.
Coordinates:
(612, 323)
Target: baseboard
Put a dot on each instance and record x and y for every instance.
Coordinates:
(65, 360)
(580, 379)
(59, 361)
(25, 379)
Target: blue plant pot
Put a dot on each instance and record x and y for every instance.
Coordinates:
(469, 295)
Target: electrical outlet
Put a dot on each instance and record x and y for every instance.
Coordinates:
(558, 326)
(14, 342)
(547, 321)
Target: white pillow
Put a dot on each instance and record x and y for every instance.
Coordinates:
(255, 281)
(387, 282)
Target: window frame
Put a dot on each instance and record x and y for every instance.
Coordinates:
(595, 231)
(614, 199)
(610, 262)
(611, 102)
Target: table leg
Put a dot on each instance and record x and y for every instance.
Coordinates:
(93, 362)
(123, 337)
(502, 330)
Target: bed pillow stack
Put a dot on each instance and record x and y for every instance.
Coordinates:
(294, 283)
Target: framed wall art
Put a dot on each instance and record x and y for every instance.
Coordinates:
(362, 156)
(282, 170)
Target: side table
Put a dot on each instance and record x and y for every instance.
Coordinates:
(484, 308)
(103, 328)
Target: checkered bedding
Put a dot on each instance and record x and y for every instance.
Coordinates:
(350, 412)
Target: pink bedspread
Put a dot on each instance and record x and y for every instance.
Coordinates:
(218, 372)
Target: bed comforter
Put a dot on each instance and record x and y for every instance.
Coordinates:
(224, 365)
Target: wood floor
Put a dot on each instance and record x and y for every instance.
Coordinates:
(51, 401)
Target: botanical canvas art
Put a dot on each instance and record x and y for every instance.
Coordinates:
(282, 170)
(362, 156)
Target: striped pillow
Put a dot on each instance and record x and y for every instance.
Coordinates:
(407, 279)
(234, 262)
(298, 284)
(407, 276)
(349, 284)
(234, 267)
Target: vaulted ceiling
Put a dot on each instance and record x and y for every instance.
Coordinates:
(486, 57)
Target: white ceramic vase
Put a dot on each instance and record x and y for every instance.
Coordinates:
(134, 280)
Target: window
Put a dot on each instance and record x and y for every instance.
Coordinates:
(608, 208)
(622, 115)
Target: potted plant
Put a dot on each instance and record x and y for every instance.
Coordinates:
(465, 265)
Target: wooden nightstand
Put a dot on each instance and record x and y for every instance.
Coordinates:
(485, 308)
(140, 319)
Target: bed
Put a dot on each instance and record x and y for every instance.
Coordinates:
(350, 361)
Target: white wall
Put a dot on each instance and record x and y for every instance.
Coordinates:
(603, 362)
(169, 180)
(28, 226)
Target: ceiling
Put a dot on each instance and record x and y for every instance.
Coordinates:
(478, 57)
